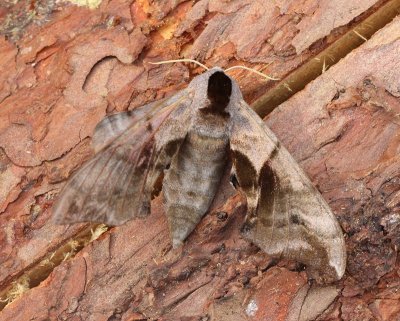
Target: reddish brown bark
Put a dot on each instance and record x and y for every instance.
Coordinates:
(62, 76)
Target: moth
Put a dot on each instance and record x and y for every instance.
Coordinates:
(186, 141)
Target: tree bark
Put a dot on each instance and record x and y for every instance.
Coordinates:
(67, 67)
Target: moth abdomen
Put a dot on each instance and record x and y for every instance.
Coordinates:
(193, 178)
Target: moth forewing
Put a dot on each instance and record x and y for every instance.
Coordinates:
(287, 216)
(114, 186)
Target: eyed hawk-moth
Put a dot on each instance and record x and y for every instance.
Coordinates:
(187, 141)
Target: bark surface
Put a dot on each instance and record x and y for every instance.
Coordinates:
(65, 67)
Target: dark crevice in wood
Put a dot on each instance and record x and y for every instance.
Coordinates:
(39, 271)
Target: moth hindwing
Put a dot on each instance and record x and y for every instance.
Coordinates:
(185, 142)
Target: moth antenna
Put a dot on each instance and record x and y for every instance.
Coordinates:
(252, 70)
(179, 60)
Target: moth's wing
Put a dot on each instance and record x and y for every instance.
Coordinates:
(287, 216)
(117, 183)
(114, 125)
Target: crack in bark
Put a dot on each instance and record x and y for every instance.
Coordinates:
(86, 271)
(37, 272)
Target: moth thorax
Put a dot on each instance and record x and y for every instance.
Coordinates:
(219, 91)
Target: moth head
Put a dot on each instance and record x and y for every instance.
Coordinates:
(219, 90)
(215, 91)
